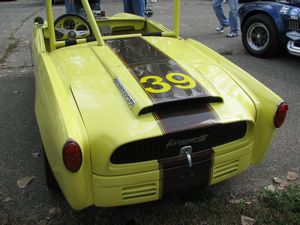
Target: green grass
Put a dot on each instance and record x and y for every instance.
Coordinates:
(281, 207)
(12, 45)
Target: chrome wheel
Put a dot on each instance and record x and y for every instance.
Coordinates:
(258, 36)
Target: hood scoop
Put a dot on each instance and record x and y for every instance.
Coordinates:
(165, 102)
(185, 103)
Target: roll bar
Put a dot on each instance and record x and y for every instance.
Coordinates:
(176, 17)
(93, 23)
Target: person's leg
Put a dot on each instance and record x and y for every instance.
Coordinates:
(233, 15)
(217, 6)
(75, 9)
(127, 6)
(95, 5)
(139, 7)
(79, 10)
(69, 6)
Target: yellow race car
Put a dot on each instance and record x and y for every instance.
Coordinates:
(130, 112)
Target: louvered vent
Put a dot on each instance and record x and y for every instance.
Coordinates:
(163, 147)
(139, 191)
(225, 169)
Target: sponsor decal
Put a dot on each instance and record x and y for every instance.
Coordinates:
(294, 12)
(284, 10)
(178, 80)
(181, 142)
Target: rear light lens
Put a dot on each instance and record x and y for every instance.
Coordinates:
(72, 156)
(280, 114)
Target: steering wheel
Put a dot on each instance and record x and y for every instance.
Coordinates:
(71, 26)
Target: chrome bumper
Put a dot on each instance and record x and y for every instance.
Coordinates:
(293, 50)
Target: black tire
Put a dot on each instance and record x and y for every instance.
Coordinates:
(260, 36)
(50, 179)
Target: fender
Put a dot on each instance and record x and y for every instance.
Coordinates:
(271, 9)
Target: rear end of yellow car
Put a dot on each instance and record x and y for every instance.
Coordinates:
(113, 137)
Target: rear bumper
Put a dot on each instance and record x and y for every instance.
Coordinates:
(136, 188)
(293, 49)
(126, 189)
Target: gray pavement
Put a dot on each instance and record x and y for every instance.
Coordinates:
(14, 15)
(19, 136)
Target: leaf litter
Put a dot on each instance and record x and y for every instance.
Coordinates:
(292, 176)
(245, 220)
(23, 182)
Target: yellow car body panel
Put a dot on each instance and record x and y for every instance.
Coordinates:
(94, 93)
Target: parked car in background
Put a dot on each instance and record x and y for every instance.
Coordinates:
(293, 45)
(265, 25)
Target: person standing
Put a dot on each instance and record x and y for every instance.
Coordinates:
(69, 6)
(136, 7)
(78, 7)
(75, 6)
(232, 22)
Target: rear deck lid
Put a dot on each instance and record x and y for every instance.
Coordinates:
(166, 83)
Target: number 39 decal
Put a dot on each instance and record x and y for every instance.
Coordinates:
(178, 80)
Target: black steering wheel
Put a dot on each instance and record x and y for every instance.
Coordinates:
(71, 26)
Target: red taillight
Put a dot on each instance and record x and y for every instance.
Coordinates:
(72, 156)
(280, 114)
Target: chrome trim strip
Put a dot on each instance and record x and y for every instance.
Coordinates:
(130, 101)
(293, 50)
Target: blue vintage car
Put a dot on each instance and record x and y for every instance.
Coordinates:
(270, 26)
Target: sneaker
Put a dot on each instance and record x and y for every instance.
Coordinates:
(232, 34)
(221, 28)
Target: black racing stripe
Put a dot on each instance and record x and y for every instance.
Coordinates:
(186, 117)
(176, 175)
(144, 60)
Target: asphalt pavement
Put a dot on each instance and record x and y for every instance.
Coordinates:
(20, 145)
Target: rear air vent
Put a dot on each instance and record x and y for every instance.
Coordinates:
(169, 145)
(139, 191)
(225, 169)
